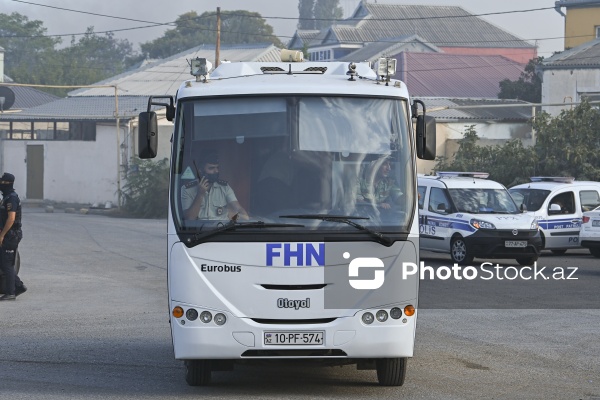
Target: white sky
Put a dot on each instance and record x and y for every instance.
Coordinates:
(536, 27)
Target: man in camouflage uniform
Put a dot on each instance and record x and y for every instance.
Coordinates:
(382, 190)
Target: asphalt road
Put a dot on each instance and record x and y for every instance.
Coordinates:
(93, 325)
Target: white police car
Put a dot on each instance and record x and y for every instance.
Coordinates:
(466, 215)
(558, 203)
(589, 235)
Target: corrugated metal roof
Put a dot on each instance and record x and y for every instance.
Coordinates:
(301, 38)
(163, 77)
(27, 97)
(586, 55)
(450, 75)
(390, 47)
(82, 108)
(443, 26)
(576, 3)
(510, 113)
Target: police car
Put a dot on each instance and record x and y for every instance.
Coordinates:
(589, 235)
(558, 203)
(467, 215)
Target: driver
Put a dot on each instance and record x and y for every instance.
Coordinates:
(209, 197)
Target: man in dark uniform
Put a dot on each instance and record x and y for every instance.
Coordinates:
(209, 197)
(10, 236)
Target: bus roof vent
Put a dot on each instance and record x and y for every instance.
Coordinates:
(447, 174)
(316, 69)
(560, 179)
(266, 70)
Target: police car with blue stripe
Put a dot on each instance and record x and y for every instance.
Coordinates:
(468, 216)
(558, 203)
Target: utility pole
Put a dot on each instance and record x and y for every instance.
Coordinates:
(218, 45)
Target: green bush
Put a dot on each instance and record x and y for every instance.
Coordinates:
(146, 192)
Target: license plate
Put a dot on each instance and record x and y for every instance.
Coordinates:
(309, 338)
(515, 243)
(596, 222)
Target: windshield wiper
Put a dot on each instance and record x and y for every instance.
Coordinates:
(232, 225)
(346, 219)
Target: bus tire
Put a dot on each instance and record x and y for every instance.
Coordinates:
(595, 251)
(559, 252)
(527, 260)
(391, 371)
(459, 252)
(197, 372)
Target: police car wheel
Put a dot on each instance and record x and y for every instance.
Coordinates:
(595, 251)
(459, 251)
(197, 372)
(391, 371)
(527, 260)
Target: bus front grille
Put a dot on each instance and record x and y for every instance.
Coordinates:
(292, 321)
(295, 353)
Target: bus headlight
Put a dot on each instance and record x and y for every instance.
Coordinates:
(220, 319)
(206, 317)
(479, 224)
(381, 315)
(191, 314)
(368, 318)
(396, 313)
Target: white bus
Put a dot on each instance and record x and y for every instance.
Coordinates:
(293, 204)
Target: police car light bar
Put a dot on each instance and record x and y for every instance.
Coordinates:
(481, 175)
(561, 179)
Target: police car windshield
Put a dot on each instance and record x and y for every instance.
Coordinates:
(264, 157)
(533, 199)
(483, 201)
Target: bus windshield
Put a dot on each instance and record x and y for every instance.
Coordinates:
(270, 158)
(483, 201)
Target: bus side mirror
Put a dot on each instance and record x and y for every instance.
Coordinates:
(426, 137)
(523, 207)
(147, 135)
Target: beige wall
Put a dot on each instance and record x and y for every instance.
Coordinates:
(580, 25)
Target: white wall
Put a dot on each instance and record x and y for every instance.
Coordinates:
(564, 86)
(490, 133)
(74, 171)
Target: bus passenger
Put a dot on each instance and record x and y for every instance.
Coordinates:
(209, 197)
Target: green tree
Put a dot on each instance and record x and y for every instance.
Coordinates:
(192, 30)
(528, 87)
(567, 145)
(306, 15)
(93, 58)
(29, 55)
(326, 12)
(146, 192)
(318, 14)
(509, 164)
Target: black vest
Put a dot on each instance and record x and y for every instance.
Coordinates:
(11, 197)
